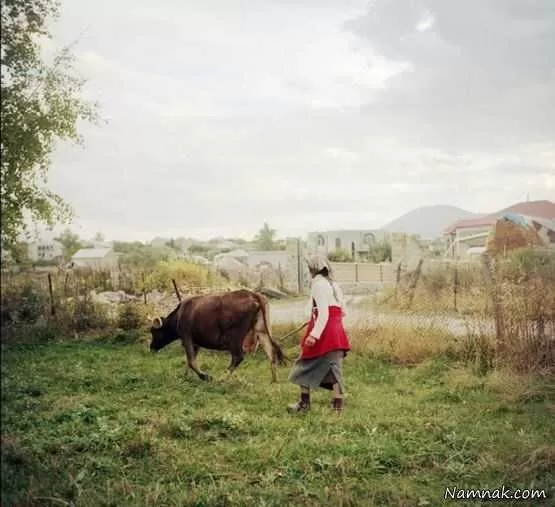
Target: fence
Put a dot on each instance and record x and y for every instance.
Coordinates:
(355, 272)
(515, 296)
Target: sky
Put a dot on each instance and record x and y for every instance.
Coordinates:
(307, 114)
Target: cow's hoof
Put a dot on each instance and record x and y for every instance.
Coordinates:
(206, 377)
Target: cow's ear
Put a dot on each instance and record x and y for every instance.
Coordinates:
(157, 323)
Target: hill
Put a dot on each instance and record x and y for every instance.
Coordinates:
(428, 221)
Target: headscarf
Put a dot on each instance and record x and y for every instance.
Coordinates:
(316, 262)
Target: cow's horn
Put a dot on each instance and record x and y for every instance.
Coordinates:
(157, 322)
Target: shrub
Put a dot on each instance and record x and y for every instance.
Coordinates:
(184, 273)
(23, 302)
(131, 316)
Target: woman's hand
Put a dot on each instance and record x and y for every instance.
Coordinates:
(310, 341)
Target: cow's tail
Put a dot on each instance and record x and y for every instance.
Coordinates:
(278, 355)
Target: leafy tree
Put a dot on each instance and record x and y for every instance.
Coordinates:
(265, 238)
(71, 243)
(99, 237)
(40, 105)
(380, 252)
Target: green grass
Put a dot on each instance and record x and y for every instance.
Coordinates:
(107, 423)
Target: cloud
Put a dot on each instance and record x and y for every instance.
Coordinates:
(310, 115)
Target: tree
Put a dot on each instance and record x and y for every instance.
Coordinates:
(40, 105)
(265, 238)
(380, 252)
(99, 237)
(71, 243)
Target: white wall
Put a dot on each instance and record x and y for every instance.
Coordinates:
(45, 250)
(328, 241)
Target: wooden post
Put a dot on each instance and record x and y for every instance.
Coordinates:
(176, 290)
(52, 307)
(493, 289)
(412, 288)
(356, 272)
(455, 287)
(397, 280)
(381, 273)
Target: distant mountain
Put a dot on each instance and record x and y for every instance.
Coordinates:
(429, 221)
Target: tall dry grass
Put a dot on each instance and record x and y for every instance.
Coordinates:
(521, 283)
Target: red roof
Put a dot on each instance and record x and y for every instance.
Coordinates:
(540, 209)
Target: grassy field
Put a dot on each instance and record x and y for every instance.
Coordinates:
(106, 423)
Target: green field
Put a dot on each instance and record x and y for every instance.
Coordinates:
(107, 423)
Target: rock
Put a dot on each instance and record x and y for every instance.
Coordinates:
(272, 293)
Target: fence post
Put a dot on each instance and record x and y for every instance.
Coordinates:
(176, 290)
(381, 273)
(356, 272)
(455, 286)
(493, 289)
(52, 307)
(412, 288)
(397, 280)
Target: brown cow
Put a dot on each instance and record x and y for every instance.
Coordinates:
(235, 321)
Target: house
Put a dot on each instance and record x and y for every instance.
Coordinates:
(97, 258)
(44, 250)
(356, 242)
(473, 233)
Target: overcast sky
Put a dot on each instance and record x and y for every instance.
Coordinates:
(311, 114)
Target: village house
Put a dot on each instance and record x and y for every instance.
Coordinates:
(355, 242)
(96, 258)
(44, 250)
(466, 238)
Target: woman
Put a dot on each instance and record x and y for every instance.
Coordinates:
(325, 343)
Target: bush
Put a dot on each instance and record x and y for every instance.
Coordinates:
(83, 314)
(23, 302)
(131, 316)
(184, 273)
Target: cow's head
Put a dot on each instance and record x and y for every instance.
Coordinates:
(162, 334)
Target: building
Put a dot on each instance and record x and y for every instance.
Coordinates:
(45, 250)
(97, 258)
(355, 242)
(473, 233)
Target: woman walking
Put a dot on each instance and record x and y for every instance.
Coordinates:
(325, 343)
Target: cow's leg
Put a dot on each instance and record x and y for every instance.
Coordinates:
(191, 351)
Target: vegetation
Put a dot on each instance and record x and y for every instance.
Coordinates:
(380, 252)
(104, 422)
(340, 255)
(522, 286)
(71, 243)
(40, 104)
(265, 239)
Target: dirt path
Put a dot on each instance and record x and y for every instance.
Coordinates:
(297, 311)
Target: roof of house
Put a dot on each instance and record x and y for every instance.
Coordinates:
(91, 253)
(540, 209)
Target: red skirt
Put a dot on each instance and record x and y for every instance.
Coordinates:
(333, 336)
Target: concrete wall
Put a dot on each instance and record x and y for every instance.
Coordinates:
(276, 258)
(359, 240)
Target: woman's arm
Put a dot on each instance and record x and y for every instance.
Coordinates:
(320, 295)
